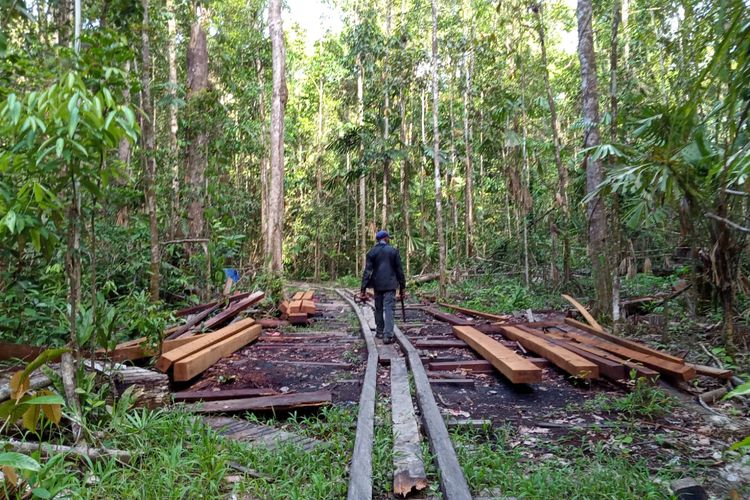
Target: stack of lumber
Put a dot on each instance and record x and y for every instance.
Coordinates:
(199, 319)
(200, 352)
(298, 310)
(582, 350)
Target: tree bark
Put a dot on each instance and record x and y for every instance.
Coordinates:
(173, 124)
(319, 177)
(62, 19)
(362, 185)
(278, 105)
(263, 164)
(436, 151)
(596, 211)
(404, 185)
(149, 151)
(562, 172)
(197, 80)
(386, 122)
(469, 160)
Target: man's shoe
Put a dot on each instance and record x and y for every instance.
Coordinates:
(389, 340)
(379, 335)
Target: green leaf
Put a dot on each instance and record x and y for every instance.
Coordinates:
(741, 444)
(740, 390)
(59, 144)
(52, 399)
(43, 358)
(73, 123)
(19, 461)
(10, 220)
(41, 493)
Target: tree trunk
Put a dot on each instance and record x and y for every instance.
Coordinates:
(562, 172)
(386, 124)
(149, 151)
(62, 19)
(197, 69)
(278, 105)
(404, 185)
(263, 164)
(319, 177)
(469, 160)
(174, 150)
(436, 151)
(596, 211)
(362, 185)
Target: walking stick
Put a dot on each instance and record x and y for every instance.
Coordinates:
(403, 307)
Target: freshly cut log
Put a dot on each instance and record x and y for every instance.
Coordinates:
(636, 346)
(168, 358)
(681, 371)
(282, 402)
(408, 468)
(201, 307)
(472, 312)
(447, 318)
(478, 366)
(710, 371)
(439, 344)
(191, 396)
(584, 312)
(568, 361)
(187, 368)
(514, 367)
(192, 322)
(151, 388)
(229, 313)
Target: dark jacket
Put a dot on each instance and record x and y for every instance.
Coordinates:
(383, 271)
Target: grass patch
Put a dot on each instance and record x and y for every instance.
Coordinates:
(643, 401)
(492, 466)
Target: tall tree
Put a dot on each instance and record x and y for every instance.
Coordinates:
(173, 122)
(436, 150)
(149, 152)
(197, 83)
(386, 120)
(596, 210)
(362, 185)
(278, 104)
(468, 66)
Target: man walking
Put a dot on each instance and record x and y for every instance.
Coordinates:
(383, 273)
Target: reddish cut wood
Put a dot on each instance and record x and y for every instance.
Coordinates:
(298, 318)
(226, 315)
(192, 322)
(187, 368)
(710, 371)
(19, 351)
(282, 402)
(170, 345)
(191, 396)
(308, 307)
(630, 344)
(568, 361)
(479, 366)
(447, 318)
(613, 370)
(298, 296)
(272, 323)
(168, 358)
(308, 295)
(514, 367)
(201, 307)
(440, 344)
(472, 312)
(661, 365)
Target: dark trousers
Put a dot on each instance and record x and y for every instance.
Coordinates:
(385, 302)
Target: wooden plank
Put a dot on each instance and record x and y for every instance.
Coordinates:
(568, 361)
(281, 402)
(680, 371)
(584, 312)
(272, 323)
(192, 322)
(360, 475)
(613, 370)
(513, 367)
(308, 295)
(168, 358)
(472, 312)
(452, 480)
(190, 396)
(408, 468)
(202, 307)
(447, 318)
(710, 371)
(229, 313)
(451, 381)
(295, 306)
(477, 366)
(170, 345)
(298, 318)
(308, 307)
(440, 344)
(187, 368)
(298, 296)
(630, 344)
(640, 370)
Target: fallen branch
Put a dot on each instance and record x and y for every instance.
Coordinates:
(728, 222)
(78, 451)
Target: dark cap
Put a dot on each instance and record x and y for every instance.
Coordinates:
(382, 234)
